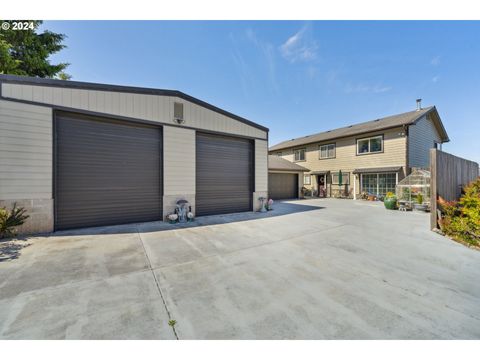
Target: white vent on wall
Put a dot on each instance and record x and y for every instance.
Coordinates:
(178, 113)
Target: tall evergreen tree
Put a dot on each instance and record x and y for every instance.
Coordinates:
(26, 52)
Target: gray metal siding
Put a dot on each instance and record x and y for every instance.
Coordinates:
(107, 172)
(282, 186)
(224, 174)
(421, 139)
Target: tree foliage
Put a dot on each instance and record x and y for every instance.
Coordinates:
(26, 52)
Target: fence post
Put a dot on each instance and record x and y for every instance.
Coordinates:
(433, 189)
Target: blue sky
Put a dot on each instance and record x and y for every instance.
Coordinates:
(294, 77)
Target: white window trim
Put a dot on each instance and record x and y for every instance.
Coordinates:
(304, 154)
(378, 182)
(309, 181)
(370, 138)
(326, 145)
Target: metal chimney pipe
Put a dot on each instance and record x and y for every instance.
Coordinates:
(419, 104)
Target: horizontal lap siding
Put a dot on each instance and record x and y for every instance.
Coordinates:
(25, 151)
(141, 106)
(421, 139)
(346, 158)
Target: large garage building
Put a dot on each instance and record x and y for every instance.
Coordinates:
(80, 154)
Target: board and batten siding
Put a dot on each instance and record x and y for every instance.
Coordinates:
(155, 108)
(422, 136)
(25, 151)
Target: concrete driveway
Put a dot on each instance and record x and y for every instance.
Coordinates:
(311, 269)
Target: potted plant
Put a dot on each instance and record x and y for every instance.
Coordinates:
(172, 218)
(390, 201)
(420, 205)
(269, 204)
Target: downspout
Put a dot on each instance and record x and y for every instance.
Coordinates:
(407, 153)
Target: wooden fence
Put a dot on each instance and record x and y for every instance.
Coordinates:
(449, 174)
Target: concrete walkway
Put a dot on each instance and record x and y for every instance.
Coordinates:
(311, 269)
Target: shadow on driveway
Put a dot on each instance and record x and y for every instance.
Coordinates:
(280, 208)
(10, 249)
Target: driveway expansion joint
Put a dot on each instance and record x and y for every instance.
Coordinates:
(158, 285)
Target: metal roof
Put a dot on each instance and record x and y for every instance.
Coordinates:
(393, 121)
(278, 163)
(15, 79)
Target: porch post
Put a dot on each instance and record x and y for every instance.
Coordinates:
(354, 187)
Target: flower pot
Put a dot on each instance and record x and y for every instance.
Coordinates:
(390, 203)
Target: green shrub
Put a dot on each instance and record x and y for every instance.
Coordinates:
(420, 199)
(461, 220)
(9, 220)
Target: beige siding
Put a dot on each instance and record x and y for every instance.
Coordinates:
(420, 140)
(178, 160)
(261, 165)
(25, 151)
(346, 158)
(142, 106)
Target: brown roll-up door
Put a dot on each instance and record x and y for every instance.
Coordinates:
(224, 174)
(106, 172)
(282, 186)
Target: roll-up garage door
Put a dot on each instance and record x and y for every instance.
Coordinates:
(107, 172)
(282, 186)
(224, 174)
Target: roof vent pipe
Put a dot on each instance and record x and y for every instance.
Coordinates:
(419, 104)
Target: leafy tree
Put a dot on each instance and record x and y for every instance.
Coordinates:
(26, 52)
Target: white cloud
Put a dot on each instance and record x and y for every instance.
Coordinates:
(267, 50)
(366, 88)
(435, 78)
(435, 61)
(299, 47)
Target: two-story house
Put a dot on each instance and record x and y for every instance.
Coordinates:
(369, 157)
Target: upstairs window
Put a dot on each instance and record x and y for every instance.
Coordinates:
(326, 151)
(299, 155)
(278, 154)
(370, 145)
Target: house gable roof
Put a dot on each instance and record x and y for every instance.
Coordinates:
(408, 118)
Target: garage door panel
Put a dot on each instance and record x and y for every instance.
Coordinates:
(283, 186)
(107, 172)
(224, 174)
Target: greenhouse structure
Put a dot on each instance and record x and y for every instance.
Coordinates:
(415, 188)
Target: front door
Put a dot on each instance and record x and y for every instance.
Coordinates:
(322, 190)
